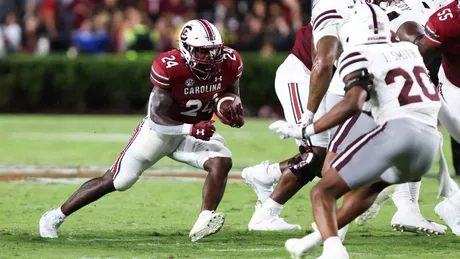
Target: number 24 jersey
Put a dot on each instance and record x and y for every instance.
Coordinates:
(193, 98)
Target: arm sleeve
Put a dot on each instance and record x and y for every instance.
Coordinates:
(406, 16)
(158, 74)
(325, 20)
(351, 61)
(238, 65)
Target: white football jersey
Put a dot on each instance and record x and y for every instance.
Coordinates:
(402, 11)
(326, 20)
(327, 16)
(399, 12)
(402, 87)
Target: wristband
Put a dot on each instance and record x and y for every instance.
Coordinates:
(187, 129)
(308, 131)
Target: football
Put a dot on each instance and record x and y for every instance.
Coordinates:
(224, 101)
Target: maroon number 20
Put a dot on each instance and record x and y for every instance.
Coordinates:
(404, 98)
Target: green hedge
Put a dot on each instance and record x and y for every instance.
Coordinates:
(107, 83)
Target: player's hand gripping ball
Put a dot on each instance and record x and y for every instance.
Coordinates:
(229, 109)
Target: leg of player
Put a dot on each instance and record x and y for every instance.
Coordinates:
(263, 176)
(89, 192)
(134, 159)
(449, 208)
(214, 157)
(209, 222)
(303, 169)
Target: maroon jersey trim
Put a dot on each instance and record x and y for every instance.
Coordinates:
(431, 36)
(350, 63)
(331, 14)
(158, 79)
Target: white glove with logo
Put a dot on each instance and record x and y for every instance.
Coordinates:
(307, 118)
(302, 130)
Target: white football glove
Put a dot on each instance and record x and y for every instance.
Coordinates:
(307, 118)
(286, 130)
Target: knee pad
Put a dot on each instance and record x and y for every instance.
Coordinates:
(306, 169)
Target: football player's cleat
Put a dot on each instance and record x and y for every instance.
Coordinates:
(450, 213)
(298, 248)
(373, 211)
(49, 223)
(264, 220)
(410, 221)
(207, 225)
(257, 177)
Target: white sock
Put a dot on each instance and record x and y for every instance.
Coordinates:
(455, 198)
(205, 213)
(332, 243)
(402, 198)
(274, 171)
(452, 189)
(59, 213)
(414, 189)
(315, 237)
(272, 206)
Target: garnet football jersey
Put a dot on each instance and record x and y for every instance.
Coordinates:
(302, 46)
(443, 31)
(193, 98)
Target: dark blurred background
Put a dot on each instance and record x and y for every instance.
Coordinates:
(117, 26)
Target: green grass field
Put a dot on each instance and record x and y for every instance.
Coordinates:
(153, 219)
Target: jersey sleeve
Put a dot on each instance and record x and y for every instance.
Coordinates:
(351, 61)
(432, 32)
(399, 17)
(233, 62)
(325, 19)
(158, 74)
(238, 65)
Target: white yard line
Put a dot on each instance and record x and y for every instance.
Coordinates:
(96, 137)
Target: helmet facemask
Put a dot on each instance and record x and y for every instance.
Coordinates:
(205, 61)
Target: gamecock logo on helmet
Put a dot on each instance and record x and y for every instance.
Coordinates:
(183, 35)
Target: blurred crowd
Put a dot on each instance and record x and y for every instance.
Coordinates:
(118, 26)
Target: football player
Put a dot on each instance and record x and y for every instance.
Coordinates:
(178, 125)
(406, 139)
(442, 38)
(292, 87)
(407, 19)
(296, 86)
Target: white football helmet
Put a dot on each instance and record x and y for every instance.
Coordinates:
(367, 24)
(201, 46)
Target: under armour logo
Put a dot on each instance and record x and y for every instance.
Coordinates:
(217, 78)
(200, 132)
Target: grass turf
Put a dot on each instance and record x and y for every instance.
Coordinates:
(152, 219)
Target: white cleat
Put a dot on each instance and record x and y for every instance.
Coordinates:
(257, 177)
(373, 211)
(264, 220)
(207, 225)
(298, 248)
(339, 253)
(414, 222)
(342, 232)
(450, 213)
(49, 224)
